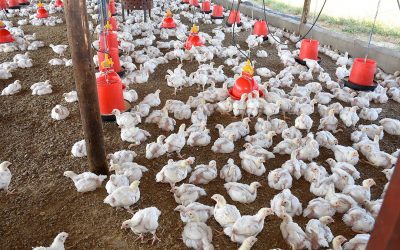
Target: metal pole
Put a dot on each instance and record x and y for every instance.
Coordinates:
(85, 81)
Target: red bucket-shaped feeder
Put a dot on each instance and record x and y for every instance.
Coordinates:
(234, 17)
(185, 2)
(111, 7)
(13, 4)
(218, 12)
(108, 35)
(168, 22)
(194, 3)
(309, 49)
(109, 90)
(362, 75)
(206, 7)
(194, 38)
(3, 4)
(58, 4)
(261, 29)
(42, 13)
(5, 35)
(245, 84)
(113, 22)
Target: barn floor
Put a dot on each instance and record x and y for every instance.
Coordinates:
(47, 203)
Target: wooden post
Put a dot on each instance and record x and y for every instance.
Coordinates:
(304, 15)
(85, 81)
(387, 225)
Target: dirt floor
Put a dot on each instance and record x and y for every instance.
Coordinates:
(47, 203)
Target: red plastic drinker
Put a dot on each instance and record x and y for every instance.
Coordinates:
(363, 72)
(309, 49)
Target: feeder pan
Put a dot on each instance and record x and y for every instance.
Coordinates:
(218, 12)
(58, 4)
(5, 36)
(362, 75)
(261, 29)
(23, 2)
(42, 13)
(245, 84)
(13, 4)
(234, 17)
(193, 39)
(206, 7)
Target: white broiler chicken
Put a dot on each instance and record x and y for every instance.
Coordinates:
(225, 214)
(174, 172)
(187, 193)
(59, 113)
(132, 170)
(318, 208)
(349, 116)
(196, 234)
(391, 126)
(41, 88)
(293, 234)
(248, 225)
(242, 193)
(59, 49)
(124, 196)
(318, 232)
(85, 182)
(204, 212)
(144, 221)
(175, 142)
(288, 201)
(71, 96)
(116, 181)
(230, 172)
(360, 193)
(345, 154)
(359, 220)
(58, 243)
(12, 88)
(279, 179)
(204, 173)
(303, 122)
(359, 241)
(224, 145)
(248, 243)
(199, 138)
(156, 149)
(5, 177)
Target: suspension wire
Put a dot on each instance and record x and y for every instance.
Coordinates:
(372, 31)
(233, 31)
(398, 3)
(302, 37)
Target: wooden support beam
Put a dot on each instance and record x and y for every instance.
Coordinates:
(304, 15)
(386, 233)
(85, 81)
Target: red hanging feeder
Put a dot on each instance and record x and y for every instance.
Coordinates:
(168, 22)
(218, 12)
(58, 4)
(245, 84)
(112, 8)
(362, 75)
(194, 3)
(206, 7)
(261, 29)
(109, 90)
(308, 50)
(113, 53)
(23, 2)
(185, 2)
(194, 38)
(110, 36)
(113, 22)
(41, 11)
(5, 35)
(3, 4)
(13, 4)
(234, 17)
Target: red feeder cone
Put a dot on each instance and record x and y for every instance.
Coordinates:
(23, 2)
(109, 89)
(185, 2)
(3, 4)
(115, 58)
(245, 84)
(194, 3)
(234, 17)
(206, 7)
(362, 74)
(5, 35)
(261, 29)
(309, 49)
(58, 4)
(41, 12)
(110, 36)
(168, 22)
(194, 38)
(112, 8)
(13, 4)
(218, 12)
